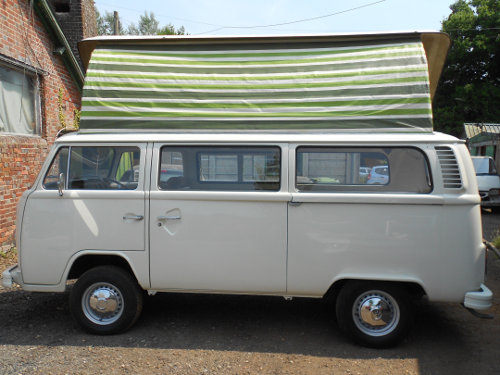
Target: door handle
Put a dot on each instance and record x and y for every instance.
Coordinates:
(294, 204)
(133, 217)
(169, 217)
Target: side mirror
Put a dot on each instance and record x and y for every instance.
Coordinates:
(61, 183)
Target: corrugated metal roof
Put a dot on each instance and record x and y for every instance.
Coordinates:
(473, 129)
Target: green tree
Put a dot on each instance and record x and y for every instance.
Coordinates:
(171, 30)
(148, 25)
(105, 24)
(469, 90)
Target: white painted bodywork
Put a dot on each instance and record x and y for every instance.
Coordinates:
(287, 242)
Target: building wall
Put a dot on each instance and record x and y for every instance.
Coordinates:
(24, 39)
(72, 15)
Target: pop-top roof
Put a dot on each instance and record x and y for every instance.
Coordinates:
(348, 82)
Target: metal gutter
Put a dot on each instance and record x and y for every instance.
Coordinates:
(50, 22)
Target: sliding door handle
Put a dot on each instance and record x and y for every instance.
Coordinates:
(133, 217)
(161, 218)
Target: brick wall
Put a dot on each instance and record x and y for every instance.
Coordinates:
(23, 38)
(89, 19)
(20, 160)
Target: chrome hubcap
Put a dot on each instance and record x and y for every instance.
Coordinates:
(102, 303)
(376, 313)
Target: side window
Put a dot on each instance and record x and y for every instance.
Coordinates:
(128, 167)
(103, 168)
(220, 168)
(95, 168)
(171, 168)
(391, 169)
(59, 165)
(89, 166)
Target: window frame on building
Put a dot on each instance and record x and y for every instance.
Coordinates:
(34, 75)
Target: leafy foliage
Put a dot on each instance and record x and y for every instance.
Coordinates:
(469, 90)
(147, 25)
(105, 24)
(62, 116)
(171, 30)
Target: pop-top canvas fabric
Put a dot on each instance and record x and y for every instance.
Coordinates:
(382, 86)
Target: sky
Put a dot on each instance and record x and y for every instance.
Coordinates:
(278, 17)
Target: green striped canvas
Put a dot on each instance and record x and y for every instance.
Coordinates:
(315, 86)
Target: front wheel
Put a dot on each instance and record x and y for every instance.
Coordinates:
(106, 300)
(373, 314)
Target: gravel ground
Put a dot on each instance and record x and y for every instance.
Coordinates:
(203, 334)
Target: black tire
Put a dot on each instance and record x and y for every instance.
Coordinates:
(382, 326)
(106, 300)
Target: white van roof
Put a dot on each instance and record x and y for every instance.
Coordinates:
(260, 137)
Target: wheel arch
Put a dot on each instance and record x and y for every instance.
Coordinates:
(87, 260)
(412, 287)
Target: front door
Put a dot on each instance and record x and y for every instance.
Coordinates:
(218, 219)
(101, 207)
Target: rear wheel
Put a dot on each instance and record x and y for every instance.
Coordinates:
(373, 314)
(106, 300)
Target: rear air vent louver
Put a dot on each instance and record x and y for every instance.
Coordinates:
(449, 168)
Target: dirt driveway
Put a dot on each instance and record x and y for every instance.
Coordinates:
(193, 334)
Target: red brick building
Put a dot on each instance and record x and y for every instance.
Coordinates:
(41, 78)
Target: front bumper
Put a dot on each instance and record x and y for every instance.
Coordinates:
(481, 299)
(12, 275)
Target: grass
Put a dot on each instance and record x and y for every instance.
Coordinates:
(496, 242)
(7, 258)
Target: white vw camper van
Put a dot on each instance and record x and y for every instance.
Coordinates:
(257, 190)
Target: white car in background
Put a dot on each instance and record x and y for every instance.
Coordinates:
(364, 171)
(488, 181)
(379, 175)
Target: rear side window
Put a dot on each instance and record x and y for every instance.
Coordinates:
(220, 168)
(388, 169)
